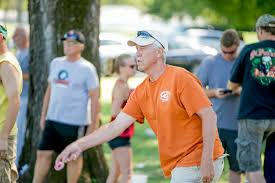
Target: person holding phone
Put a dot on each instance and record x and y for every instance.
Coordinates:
(214, 74)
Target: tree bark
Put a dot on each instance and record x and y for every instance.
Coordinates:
(49, 20)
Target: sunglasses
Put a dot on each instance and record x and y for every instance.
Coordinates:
(132, 66)
(146, 35)
(70, 42)
(4, 31)
(229, 52)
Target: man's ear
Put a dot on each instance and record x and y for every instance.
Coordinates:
(159, 52)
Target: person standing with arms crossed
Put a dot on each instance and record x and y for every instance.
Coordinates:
(214, 73)
(177, 109)
(72, 82)
(10, 90)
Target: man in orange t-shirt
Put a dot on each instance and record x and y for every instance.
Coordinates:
(174, 104)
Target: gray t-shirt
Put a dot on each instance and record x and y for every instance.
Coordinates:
(70, 85)
(215, 73)
(23, 58)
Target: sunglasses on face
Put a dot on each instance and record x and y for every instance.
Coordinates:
(3, 30)
(70, 43)
(132, 66)
(146, 34)
(229, 52)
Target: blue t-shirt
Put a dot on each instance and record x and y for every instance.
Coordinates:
(23, 58)
(255, 71)
(70, 85)
(215, 73)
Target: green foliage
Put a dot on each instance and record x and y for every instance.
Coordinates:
(240, 14)
(12, 4)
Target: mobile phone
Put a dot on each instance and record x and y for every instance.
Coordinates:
(225, 91)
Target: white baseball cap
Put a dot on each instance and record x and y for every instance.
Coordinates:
(146, 37)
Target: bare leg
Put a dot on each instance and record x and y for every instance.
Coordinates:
(74, 169)
(114, 171)
(42, 165)
(255, 177)
(234, 177)
(124, 158)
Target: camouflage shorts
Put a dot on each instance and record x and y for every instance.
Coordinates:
(8, 170)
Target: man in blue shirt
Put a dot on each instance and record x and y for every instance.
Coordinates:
(214, 74)
(21, 40)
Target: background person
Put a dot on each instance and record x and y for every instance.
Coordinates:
(10, 90)
(21, 40)
(125, 66)
(72, 82)
(254, 70)
(214, 74)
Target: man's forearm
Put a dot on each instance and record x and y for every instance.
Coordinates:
(26, 76)
(13, 108)
(208, 132)
(210, 93)
(104, 134)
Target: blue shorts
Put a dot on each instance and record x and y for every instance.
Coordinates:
(228, 138)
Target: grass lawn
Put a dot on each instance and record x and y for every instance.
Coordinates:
(146, 159)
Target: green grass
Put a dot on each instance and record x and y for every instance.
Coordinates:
(145, 149)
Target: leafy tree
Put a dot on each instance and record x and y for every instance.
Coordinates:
(49, 20)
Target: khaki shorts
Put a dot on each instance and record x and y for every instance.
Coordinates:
(192, 174)
(8, 170)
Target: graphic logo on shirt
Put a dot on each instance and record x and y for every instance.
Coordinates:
(165, 96)
(62, 76)
(263, 65)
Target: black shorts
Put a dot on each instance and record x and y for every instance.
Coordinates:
(119, 142)
(56, 136)
(228, 138)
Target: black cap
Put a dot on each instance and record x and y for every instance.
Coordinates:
(74, 35)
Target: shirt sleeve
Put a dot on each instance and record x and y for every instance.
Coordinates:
(237, 71)
(25, 63)
(133, 109)
(92, 81)
(202, 73)
(51, 70)
(193, 97)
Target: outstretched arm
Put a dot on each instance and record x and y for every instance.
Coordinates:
(99, 136)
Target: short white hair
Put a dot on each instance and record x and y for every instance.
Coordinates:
(156, 44)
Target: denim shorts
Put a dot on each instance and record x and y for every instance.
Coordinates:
(249, 142)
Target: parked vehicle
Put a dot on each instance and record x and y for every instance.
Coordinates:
(111, 46)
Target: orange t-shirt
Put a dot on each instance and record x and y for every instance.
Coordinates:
(170, 104)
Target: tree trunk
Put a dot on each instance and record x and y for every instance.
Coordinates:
(49, 20)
